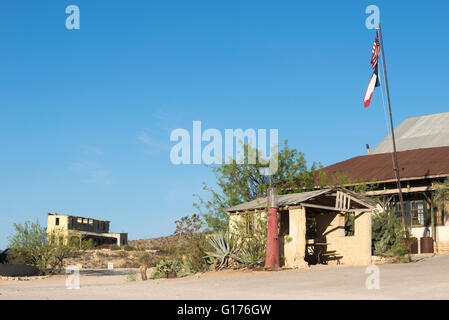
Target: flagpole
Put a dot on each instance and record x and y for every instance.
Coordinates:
(396, 169)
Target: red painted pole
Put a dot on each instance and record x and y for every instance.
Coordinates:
(272, 250)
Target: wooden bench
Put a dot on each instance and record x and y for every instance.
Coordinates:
(330, 255)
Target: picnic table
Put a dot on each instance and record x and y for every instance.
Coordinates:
(318, 249)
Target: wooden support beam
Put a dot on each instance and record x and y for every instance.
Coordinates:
(354, 199)
(309, 205)
(393, 191)
(294, 207)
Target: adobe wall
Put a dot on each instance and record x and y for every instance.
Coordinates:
(121, 238)
(295, 242)
(63, 224)
(354, 250)
(235, 219)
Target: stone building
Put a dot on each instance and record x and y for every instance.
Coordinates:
(85, 228)
(324, 226)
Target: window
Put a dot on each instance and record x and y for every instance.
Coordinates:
(397, 209)
(57, 222)
(417, 213)
(349, 224)
(311, 231)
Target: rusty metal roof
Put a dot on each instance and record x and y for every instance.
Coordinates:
(416, 163)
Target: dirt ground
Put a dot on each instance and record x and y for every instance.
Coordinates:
(425, 278)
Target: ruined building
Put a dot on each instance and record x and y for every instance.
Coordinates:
(85, 228)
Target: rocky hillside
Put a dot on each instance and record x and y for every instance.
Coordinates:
(127, 256)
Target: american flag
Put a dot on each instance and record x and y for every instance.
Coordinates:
(375, 52)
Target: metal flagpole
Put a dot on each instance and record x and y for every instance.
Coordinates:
(396, 169)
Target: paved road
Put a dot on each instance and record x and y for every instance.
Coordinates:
(425, 279)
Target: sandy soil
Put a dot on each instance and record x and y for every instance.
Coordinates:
(426, 278)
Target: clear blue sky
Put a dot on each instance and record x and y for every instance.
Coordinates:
(86, 114)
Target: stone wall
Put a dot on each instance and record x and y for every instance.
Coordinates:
(18, 270)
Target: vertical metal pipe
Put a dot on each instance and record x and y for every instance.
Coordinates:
(272, 250)
(396, 169)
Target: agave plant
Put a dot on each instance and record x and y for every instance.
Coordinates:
(224, 247)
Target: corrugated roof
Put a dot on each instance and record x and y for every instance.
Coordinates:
(426, 131)
(379, 167)
(283, 200)
(295, 199)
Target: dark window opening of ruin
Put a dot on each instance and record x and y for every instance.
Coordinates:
(311, 228)
(57, 222)
(349, 224)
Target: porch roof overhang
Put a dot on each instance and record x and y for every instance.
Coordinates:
(92, 234)
(344, 201)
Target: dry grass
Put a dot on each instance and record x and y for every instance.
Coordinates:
(163, 245)
(127, 256)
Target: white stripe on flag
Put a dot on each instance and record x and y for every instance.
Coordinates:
(370, 90)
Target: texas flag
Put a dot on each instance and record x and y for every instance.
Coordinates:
(374, 81)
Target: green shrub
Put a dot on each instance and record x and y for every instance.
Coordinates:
(145, 258)
(17, 256)
(87, 244)
(47, 252)
(122, 254)
(127, 247)
(165, 266)
(131, 275)
(114, 247)
(129, 264)
(223, 248)
(192, 244)
(388, 235)
(251, 239)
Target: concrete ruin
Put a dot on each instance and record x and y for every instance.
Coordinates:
(85, 229)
